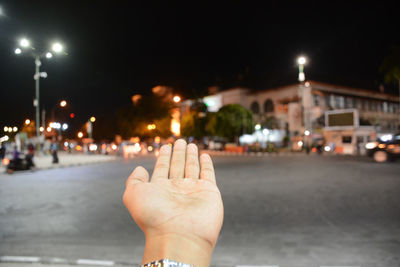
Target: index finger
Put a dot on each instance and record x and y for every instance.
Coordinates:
(161, 168)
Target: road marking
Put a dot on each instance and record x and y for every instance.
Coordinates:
(339, 266)
(94, 262)
(19, 259)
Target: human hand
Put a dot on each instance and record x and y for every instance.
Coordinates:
(180, 211)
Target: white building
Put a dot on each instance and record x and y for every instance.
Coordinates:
(294, 108)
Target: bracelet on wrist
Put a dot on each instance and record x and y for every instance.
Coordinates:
(166, 263)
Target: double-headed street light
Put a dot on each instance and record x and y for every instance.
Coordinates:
(301, 61)
(26, 44)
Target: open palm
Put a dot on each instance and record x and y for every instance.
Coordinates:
(182, 197)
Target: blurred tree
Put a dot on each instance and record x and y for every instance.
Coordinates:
(211, 124)
(193, 124)
(133, 120)
(234, 120)
(29, 129)
(271, 122)
(390, 67)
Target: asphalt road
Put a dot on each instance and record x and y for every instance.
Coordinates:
(284, 210)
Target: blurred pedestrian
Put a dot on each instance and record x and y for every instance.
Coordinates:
(54, 150)
(16, 157)
(2, 151)
(29, 156)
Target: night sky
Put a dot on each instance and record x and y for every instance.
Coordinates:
(120, 48)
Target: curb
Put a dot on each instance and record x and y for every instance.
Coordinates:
(62, 261)
(60, 166)
(253, 154)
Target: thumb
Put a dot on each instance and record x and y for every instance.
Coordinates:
(139, 175)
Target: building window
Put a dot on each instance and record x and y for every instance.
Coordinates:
(255, 108)
(357, 103)
(346, 139)
(268, 106)
(317, 100)
(348, 102)
(327, 101)
(339, 102)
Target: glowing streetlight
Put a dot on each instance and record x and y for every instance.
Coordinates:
(92, 119)
(5, 129)
(57, 47)
(80, 135)
(15, 129)
(257, 127)
(27, 121)
(63, 103)
(307, 133)
(301, 61)
(177, 99)
(48, 129)
(151, 127)
(24, 42)
(37, 55)
(41, 128)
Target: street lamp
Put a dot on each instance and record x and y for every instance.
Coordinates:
(27, 121)
(90, 126)
(63, 103)
(177, 99)
(301, 61)
(26, 44)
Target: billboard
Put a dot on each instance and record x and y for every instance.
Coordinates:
(341, 119)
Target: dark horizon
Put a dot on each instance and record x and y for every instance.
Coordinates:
(116, 51)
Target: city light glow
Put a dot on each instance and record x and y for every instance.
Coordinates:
(176, 128)
(92, 119)
(327, 148)
(151, 127)
(15, 129)
(48, 129)
(27, 121)
(306, 132)
(177, 99)
(371, 145)
(63, 103)
(301, 60)
(80, 134)
(24, 42)
(65, 126)
(57, 47)
(17, 51)
(257, 127)
(92, 147)
(41, 129)
(49, 55)
(4, 139)
(300, 143)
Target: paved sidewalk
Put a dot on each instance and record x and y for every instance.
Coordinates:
(67, 160)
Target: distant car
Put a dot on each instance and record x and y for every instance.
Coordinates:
(386, 148)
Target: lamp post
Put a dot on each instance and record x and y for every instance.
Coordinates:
(25, 44)
(90, 126)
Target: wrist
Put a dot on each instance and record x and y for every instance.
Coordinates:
(186, 249)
